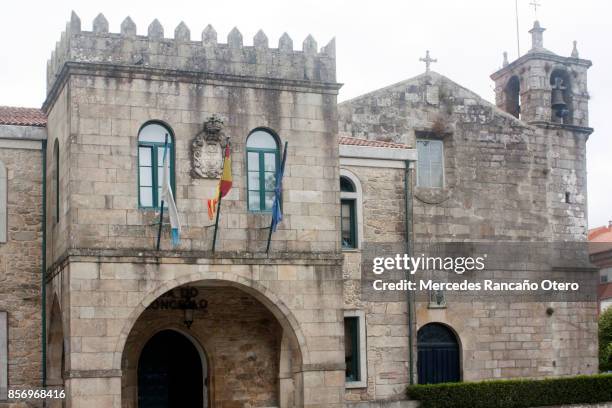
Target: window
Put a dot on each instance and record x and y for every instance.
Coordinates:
(350, 210)
(56, 181)
(347, 215)
(430, 171)
(512, 96)
(354, 348)
(605, 274)
(3, 203)
(151, 139)
(349, 229)
(3, 355)
(262, 159)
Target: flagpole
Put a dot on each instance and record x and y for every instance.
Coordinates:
(216, 224)
(218, 205)
(272, 221)
(269, 238)
(161, 211)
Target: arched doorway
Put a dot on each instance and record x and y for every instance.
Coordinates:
(438, 354)
(171, 373)
(253, 354)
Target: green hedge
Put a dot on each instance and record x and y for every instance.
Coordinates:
(515, 393)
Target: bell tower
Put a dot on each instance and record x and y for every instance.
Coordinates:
(541, 87)
(549, 92)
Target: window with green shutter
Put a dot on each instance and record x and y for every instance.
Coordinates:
(348, 214)
(262, 160)
(151, 139)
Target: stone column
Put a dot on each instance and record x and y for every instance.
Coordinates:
(94, 389)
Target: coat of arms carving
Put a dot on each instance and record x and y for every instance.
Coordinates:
(206, 150)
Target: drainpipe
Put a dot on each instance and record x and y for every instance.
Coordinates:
(409, 243)
(44, 263)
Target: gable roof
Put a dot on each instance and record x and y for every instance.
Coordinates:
(11, 115)
(435, 76)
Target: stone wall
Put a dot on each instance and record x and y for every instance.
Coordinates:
(386, 322)
(58, 129)
(504, 181)
(100, 195)
(109, 294)
(20, 261)
(100, 96)
(519, 339)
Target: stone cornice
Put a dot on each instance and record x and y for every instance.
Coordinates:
(540, 56)
(108, 70)
(573, 128)
(191, 257)
(20, 132)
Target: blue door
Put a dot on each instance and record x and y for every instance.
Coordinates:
(438, 355)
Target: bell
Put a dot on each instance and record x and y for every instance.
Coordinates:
(558, 102)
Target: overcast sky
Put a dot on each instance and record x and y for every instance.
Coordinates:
(378, 43)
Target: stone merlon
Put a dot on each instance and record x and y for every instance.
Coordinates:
(180, 53)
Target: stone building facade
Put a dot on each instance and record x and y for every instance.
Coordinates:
(22, 136)
(295, 327)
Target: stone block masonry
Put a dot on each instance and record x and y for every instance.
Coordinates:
(154, 51)
(20, 262)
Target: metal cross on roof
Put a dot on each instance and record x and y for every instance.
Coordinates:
(535, 4)
(427, 60)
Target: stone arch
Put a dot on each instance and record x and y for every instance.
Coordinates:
(512, 96)
(280, 311)
(55, 345)
(292, 354)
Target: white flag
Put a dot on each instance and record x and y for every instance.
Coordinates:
(168, 198)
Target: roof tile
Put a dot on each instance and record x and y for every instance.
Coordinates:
(10, 115)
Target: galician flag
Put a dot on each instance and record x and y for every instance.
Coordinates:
(168, 198)
(225, 184)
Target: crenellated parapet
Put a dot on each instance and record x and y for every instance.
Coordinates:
(207, 55)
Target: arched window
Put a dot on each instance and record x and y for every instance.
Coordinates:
(151, 140)
(262, 159)
(350, 210)
(3, 203)
(512, 95)
(56, 181)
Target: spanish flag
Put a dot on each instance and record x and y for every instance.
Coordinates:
(225, 184)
